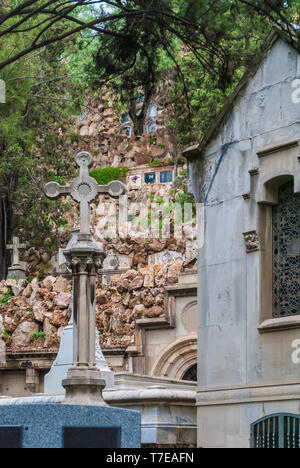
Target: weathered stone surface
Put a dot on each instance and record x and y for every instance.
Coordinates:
(40, 311)
(62, 300)
(27, 291)
(49, 282)
(173, 272)
(137, 283)
(155, 311)
(61, 284)
(16, 286)
(51, 335)
(22, 335)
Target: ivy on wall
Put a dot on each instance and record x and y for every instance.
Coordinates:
(108, 174)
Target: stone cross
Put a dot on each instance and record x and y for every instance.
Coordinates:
(84, 257)
(84, 189)
(15, 247)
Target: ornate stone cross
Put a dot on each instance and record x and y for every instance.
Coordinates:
(84, 383)
(84, 189)
(15, 247)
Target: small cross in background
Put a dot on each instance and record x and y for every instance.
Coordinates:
(15, 247)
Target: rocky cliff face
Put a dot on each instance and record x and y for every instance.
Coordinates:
(100, 131)
(33, 315)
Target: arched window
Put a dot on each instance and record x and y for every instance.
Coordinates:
(276, 431)
(152, 111)
(191, 374)
(151, 126)
(125, 118)
(286, 253)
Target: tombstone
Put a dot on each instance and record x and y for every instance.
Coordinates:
(17, 269)
(82, 418)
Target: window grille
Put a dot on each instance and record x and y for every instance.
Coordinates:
(276, 431)
(286, 253)
(166, 176)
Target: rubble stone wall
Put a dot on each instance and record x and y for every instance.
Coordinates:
(33, 315)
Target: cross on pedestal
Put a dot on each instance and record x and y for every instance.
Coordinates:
(15, 247)
(83, 383)
(17, 270)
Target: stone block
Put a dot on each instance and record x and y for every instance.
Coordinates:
(43, 424)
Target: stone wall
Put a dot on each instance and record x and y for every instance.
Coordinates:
(33, 315)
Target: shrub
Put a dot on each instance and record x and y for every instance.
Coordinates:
(37, 335)
(108, 174)
(155, 162)
(160, 201)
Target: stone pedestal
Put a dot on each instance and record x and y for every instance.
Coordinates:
(84, 383)
(17, 271)
(64, 360)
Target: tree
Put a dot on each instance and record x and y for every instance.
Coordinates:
(200, 48)
(34, 125)
(130, 24)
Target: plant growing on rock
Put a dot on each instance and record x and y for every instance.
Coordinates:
(6, 297)
(6, 335)
(36, 335)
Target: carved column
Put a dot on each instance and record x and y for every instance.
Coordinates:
(84, 383)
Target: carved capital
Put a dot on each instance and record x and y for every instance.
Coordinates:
(252, 241)
(83, 262)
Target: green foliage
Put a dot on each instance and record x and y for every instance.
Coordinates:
(108, 174)
(62, 222)
(6, 335)
(41, 100)
(150, 197)
(160, 201)
(155, 162)
(36, 335)
(180, 193)
(183, 172)
(6, 297)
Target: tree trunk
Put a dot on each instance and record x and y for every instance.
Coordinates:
(5, 234)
